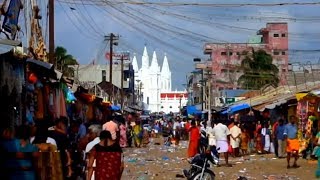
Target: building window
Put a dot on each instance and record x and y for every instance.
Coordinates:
(238, 53)
(283, 53)
(104, 75)
(283, 35)
(230, 53)
(275, 35)
(223, 53)
(284, 70)
(276, 53)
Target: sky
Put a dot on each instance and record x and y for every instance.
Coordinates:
(180, 32)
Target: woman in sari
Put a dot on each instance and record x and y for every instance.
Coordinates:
(259, 145)
(137, 131)
(109, 161)
(123, 134)
(193, 140)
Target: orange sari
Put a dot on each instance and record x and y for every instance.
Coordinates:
(193, 141)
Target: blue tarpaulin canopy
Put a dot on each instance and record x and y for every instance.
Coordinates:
(115, 108)
(235, 108)
(192, 110)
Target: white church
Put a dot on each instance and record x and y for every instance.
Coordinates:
(154, 85)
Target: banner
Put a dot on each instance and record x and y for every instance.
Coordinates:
(11, 19)
(118, 55)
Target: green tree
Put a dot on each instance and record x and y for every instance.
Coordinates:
(258, 70)
(64, 61)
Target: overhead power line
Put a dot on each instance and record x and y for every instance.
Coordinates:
(86, 34)
(92, 2)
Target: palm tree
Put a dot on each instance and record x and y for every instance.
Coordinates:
(64, 61)
(258, 70)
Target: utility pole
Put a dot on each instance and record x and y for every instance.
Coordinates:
(51, 31)
(113, 41)
(122, 95)
(202, 90)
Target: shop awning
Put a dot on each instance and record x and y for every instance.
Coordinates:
(314, 93)
(193, 110)
(300, 95)
(238, 107)
(235, 108)
(41, 63)
(260, 107)
(115, 108)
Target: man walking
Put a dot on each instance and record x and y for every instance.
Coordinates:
(280, 139)
(290, 133)
(222, 133)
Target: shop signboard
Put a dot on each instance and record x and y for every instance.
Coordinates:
(230, 100)
(117, 56)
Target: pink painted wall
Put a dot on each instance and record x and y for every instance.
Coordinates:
(276, 46)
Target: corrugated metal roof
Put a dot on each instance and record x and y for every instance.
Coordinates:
(279, 95)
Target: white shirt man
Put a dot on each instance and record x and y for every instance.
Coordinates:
(211, 137)
(221, 132)
(235, 136)
(176, 125)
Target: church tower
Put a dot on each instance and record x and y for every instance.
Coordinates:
(154, 89)
(165, 76)
(145, 59)
(144, 78)
(135, 63)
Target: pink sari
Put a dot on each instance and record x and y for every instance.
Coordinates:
(123, 136)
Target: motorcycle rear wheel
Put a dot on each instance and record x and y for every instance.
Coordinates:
(207, 175)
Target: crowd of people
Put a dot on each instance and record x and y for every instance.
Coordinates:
(71, 150)
(243, 138)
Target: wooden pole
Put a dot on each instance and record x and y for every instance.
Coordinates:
(51, 31)
(122, 94)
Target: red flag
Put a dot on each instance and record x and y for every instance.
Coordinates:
(107, 56)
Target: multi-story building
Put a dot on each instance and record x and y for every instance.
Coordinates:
(90, 76)
(226, 57)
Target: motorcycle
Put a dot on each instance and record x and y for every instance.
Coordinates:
(204, 142)
(200, 166)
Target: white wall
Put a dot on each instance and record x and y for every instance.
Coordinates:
(93, 73)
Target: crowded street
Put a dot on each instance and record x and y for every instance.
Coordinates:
(168, 163)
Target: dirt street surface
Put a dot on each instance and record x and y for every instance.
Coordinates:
(160, 162)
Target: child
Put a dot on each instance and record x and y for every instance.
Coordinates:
(244, 141)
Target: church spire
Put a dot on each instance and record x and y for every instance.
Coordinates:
(145, 59)
(165, 66)
(154, 63)
(135, 63)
